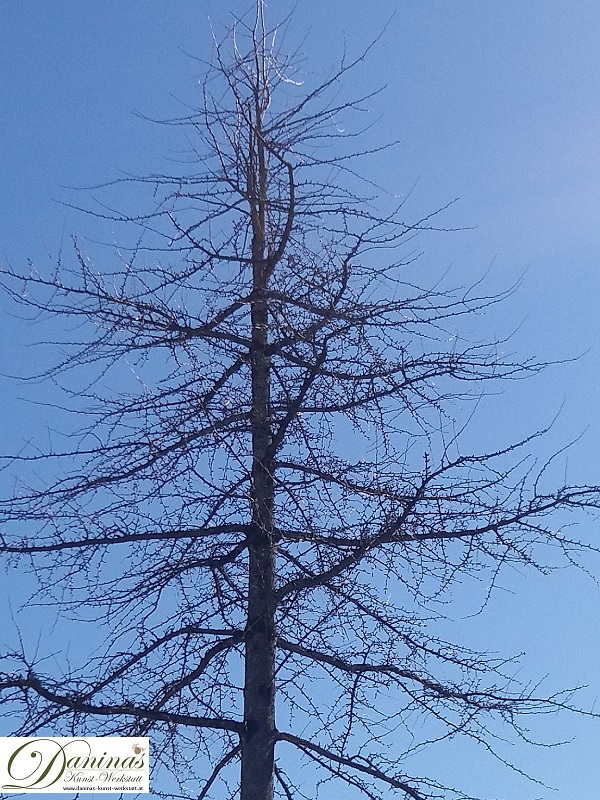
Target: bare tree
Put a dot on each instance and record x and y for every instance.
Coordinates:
(280, 494)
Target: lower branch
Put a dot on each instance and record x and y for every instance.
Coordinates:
(215, 773)
(352, 763)
(78, 706)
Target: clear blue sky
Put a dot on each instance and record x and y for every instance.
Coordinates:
(497, 104)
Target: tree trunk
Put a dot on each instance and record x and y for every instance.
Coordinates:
(259, 695)
(258, 739)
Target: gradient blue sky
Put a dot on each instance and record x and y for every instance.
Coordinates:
(494, 103)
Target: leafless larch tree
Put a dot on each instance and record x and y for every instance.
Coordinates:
(269, 511)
